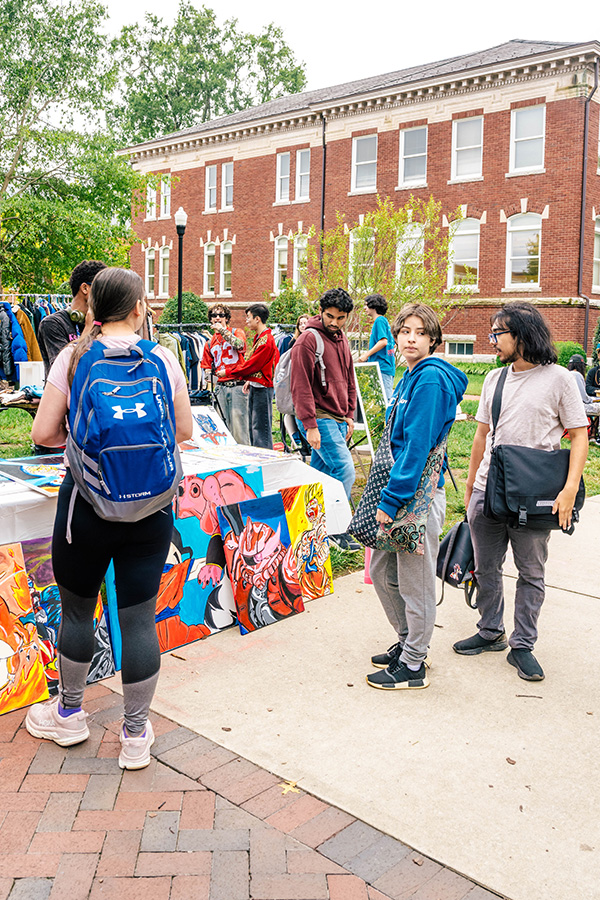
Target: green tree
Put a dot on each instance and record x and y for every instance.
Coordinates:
(197, 69)
(194, 309)
(290, 303)
(64, 196)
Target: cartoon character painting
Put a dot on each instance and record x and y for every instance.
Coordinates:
(305, 514)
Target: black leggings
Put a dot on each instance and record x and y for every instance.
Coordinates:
(138, 551)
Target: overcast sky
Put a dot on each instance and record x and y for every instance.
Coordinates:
(345, 41)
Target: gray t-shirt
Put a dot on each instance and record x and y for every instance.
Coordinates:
(537, 405)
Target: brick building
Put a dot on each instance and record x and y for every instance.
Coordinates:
(510, 134)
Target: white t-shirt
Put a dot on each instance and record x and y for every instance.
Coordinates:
(537, 405)
(60, 367)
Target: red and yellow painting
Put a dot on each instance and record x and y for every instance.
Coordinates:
(305, 513)
(22, 678)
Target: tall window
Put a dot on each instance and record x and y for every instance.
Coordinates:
(361, 258)
(302, 174)
(226, 254)
(151, 202)
(464, 257)
(150, 263)
(523, 250)
(227, 185)
(364, 163)
(596, 275)
(300, 245)
(210, 191)
(209, 268)
(165, 196)
(281, 262)
(413, 156)
(410, 254)
(282, 188)
(527, 130)
(164, 272)
(467, 148)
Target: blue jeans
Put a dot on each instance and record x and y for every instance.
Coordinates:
(388, 384)
(234, 404)
(333, 456)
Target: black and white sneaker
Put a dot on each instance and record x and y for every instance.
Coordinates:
(382, 660)
(345, 542)
(397, 676)
(526, 664)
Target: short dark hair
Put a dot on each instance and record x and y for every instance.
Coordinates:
(338, 298)
(378, 303)
(577, 364)
(428, 317)
(260, 310)
(84, 273)
(220, 308)
(528, 326)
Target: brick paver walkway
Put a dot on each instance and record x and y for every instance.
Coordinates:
(198, 823)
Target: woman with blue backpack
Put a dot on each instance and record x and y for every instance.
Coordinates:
(127, 407)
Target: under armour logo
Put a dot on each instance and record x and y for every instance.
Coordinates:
(138, 409)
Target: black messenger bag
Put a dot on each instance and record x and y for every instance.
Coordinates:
(523, 483)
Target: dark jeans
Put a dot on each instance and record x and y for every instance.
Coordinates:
(260, 413)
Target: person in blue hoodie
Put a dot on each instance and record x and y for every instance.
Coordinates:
(425, 401)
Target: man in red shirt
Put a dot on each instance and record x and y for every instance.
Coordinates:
(226, 348)
(257, 371)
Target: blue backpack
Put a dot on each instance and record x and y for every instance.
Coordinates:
(121, 446)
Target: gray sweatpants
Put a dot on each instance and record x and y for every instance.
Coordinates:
(530, 552)
(405, 584)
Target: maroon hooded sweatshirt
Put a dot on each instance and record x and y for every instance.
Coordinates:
(311, 401)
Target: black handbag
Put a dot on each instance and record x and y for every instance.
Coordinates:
(523, 483)
(456, 560)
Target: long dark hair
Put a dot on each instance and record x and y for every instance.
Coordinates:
(577, 364)
(113, 297)
(528, 326)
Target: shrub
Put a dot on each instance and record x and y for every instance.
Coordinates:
(473, 368)
(290, 303)
(194, 310)
(566, 349)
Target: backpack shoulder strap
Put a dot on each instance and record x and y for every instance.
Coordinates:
(497, 402)
(319, 353)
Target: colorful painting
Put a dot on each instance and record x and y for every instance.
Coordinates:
(260, 561)
(210, 429)
(22, 679)
(47, 612)
(195, 597)
(305, 513)
(40, 473)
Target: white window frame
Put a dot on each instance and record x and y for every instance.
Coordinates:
(226, 183)
(226, 250)
(412, 243)
(467, 226)
(150, 254)
(534, 223)
(210, 190)
(598, 164)
(372, 187)
(282, 183)
(403, 156)
(151, 196)
(165, 197)
(303, 172)
(164, 257)
(299, 271)
(470, 176)
(596, 262)
(280, 243)
(514, 114)
(458, 342)
(210, 252)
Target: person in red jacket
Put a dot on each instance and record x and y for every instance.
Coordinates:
(257, 371)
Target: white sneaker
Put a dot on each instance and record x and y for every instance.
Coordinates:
(44, 721)
(135, 751)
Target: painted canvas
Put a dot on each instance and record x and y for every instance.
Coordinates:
(260, 561)
(305, 513)
(195, 597)
(22, 679)
(46, 609)
(210, 429)
(40, 473)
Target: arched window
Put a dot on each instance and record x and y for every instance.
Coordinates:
(361, 256)
(209, 268)
(300, 245)
(523, 247)
(150, 263)
(410, 254)
(281, 263)
(596, 274)
(164, 271)
(226, 253)
(464, 254)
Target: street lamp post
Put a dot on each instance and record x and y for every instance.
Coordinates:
(180, 223)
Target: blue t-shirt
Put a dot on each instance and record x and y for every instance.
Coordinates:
(385, 357)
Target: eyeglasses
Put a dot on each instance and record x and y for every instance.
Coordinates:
(493, 336)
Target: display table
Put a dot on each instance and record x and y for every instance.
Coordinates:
(26, 514)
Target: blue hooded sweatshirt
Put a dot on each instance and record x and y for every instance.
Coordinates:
(427, 401)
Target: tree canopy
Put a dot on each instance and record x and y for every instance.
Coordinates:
(180, 75)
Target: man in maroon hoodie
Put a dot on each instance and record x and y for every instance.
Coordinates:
(325, 413)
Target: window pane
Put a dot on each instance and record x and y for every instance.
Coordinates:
(525, 243)
(468, 133)
(524, 271)
(284, 163)
(366, 175)
(465, 272)
(529, 154)
(468, 162)
(415, 141)
(529, 122)
(212, 176)
(465, 246)
(303, 161)
(284, 188)
(414, 168)
(366, 149)
(303, 186)
(596, 276)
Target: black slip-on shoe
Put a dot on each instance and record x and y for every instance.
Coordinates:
(382, 660)
(476, 644)
(526, 664)
(397, 676)
(345, 542)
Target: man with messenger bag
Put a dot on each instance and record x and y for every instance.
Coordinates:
(527, 405)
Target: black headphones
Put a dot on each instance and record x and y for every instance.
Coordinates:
(76, 316)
